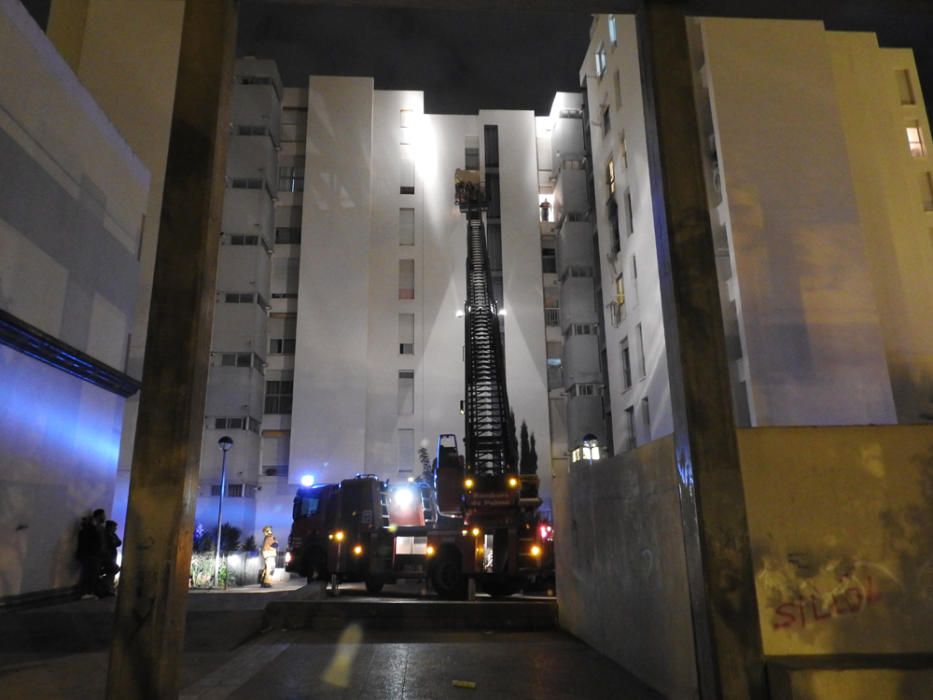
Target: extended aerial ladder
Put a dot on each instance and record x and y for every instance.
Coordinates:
(495, 538)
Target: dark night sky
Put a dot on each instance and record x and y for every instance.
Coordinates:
(465, 61)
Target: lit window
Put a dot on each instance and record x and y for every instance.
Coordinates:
(620, 291)
(613, 36)
(611, 175)
(600, 61)
(915, 140)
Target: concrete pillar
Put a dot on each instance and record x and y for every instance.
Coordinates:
(719, 566)
(150, 621)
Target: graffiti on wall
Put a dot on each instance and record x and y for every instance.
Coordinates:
(851, 596)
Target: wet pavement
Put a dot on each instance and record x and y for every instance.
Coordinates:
(60, 651)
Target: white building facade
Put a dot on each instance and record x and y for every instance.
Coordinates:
(379, 349)
(820, 193)
(71, 216)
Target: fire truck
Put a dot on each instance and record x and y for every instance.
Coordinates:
(477, 523)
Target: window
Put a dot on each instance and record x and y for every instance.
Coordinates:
(491, 143)
(233, 490)
(406, 118)
(292, 177)
(237, 359)
(406, 226)
(577, 271)
(926, 188)
(620, 290)
(239, 239)
(630, 441)
(406, 334)
(281, 346)
(406, 279)
(288, 235)
(600, 58)
(915, 140)
(623, 152)
(613, 36)
(406, 392)
(580, 329)
(613, 214)
(246, 183)
(611, 175)
(629, 215)
(626, 364)
(236, 423)
(617, 89)
(646, 416)
(642, 363)
(585, 390)
(279, 396)
(635, 279)
(406, 171)
(471, 158)
(552, 317)
(246, 130)
(406, 450)
(905, 87)
(549, 260)
(607, 121)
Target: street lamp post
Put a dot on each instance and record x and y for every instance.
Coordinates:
(225, 444)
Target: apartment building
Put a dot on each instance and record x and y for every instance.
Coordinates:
(818, 175)
(237, 387)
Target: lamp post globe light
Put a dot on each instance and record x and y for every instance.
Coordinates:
(225, 444)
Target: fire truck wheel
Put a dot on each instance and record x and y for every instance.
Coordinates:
(374, 585)
(447, 576)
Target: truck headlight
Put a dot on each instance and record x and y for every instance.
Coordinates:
(288, 557)
(535, 550)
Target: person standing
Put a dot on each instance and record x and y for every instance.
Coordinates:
(90, 554)
(269, 551)
(110, 566)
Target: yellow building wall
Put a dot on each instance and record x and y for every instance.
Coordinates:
(841, 527)
(898, 231)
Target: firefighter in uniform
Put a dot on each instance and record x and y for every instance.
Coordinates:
(269, 550)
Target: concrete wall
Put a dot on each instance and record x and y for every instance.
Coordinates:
(841, 528)
(621, 573)
(841, 524)
(71, 211)
(804, 288)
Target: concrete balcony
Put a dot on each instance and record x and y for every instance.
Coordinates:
(580, 361)
(584, 416)
(574, 245)
(248, 211)
(252, 157)
(577, 303)
(570, 198)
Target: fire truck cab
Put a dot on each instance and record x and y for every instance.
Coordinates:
(313, 516)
